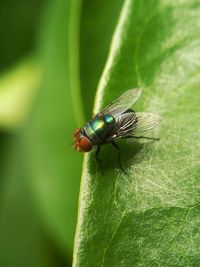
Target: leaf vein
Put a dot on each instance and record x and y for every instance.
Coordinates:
(112, 237)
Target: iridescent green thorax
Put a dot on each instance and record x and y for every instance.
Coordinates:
(99, 129)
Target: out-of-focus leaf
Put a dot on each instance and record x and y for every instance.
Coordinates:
(149, 216)
(17, 90)
(22, 241)
(98, 20)
(54, 166)
(19, 22)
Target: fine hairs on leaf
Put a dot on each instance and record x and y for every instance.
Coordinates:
(150, 215)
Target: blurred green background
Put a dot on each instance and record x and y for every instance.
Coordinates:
(51, 57)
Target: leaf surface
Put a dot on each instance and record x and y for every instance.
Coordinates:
(149, 216)
(98, 19)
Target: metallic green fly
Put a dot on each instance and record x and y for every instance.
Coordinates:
(116, 121)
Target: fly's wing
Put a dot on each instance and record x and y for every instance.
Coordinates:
(125, 125)
(145, 122)
(132, 124)
(121, 104)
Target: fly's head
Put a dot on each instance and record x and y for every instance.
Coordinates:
(81, 142)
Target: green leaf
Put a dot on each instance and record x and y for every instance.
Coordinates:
(98, 19)
(150, 216)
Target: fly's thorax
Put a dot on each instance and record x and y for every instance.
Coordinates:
(99, 129)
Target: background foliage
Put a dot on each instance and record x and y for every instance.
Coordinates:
(52, 57)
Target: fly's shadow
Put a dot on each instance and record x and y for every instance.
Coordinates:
(120, 155)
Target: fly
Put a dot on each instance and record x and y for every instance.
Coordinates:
(116, 121)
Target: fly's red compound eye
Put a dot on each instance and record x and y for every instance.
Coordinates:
(84, 145)
(76, 138)
(81, 143)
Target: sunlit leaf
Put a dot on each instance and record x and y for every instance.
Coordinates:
(149, 216)
(98, 19)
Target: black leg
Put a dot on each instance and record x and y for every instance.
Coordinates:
(142, 137)
(119, 155)
(98, 159)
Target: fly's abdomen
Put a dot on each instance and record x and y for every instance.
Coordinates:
(99, 129)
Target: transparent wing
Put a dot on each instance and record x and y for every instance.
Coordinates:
(145, 122)
(122, 103)
(125, 125)
(132, 124)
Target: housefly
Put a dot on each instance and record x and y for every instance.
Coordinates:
(116, 121)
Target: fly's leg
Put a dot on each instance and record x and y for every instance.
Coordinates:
(142, 137)
(119, 155)
(98, 159)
